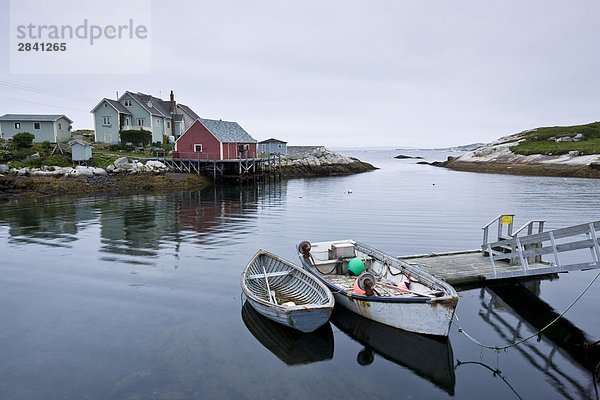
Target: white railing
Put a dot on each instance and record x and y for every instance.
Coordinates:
(135, 128)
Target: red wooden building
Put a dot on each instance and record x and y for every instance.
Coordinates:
(209, 139)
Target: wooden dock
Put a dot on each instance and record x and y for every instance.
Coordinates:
(513, 256)
(240, 167)
(467, 267)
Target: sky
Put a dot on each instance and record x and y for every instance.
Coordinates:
(347, 73)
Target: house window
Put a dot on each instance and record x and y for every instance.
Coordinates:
(127, 103)
(36, 126)
(140, 121)
(279, 146)
(198, 148)
(157, 122)
(105, 105)
(127, 121)
(168, 124)
(106, 121)
(17, 125)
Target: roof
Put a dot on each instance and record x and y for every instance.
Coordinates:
(227, 131)
(188, 111)
(272, 141)
(114, 104)
(34, 117)
(159, 107)
(79, 142)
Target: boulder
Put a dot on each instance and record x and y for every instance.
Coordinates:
(121, 163)
(578, 137)
(23, 172)
(152, 164)
(84, 171)
(564, 139)
(4, 168)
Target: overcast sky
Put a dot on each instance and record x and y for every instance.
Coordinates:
(352, 73)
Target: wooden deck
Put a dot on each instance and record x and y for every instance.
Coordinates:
(469, 267)
(513, 256)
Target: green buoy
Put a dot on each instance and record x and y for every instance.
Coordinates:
(355, 266)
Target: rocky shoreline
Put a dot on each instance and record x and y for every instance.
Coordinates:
(497, 158)
(319, 161)
(124, 176)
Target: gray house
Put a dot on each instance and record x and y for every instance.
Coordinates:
(135, 111)
(44, 128)
(272, 146)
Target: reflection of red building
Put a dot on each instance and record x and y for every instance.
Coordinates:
(208, 139)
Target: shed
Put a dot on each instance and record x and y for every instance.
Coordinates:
(80, 151)
(272, 146)
(209, 139)
(45, 128)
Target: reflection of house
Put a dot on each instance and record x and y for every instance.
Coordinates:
(272, 146)
(209, 139)
(44, 128)
(137, 111)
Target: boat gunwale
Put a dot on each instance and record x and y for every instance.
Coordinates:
(450, 294)
(286, 309)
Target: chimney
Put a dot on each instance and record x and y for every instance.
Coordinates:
(173, 109)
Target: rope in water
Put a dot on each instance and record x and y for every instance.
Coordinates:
(518, 342)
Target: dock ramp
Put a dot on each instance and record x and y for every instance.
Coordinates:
(527, 251)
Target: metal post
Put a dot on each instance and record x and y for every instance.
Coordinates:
(524, 263)
(485, 236)
(595, 239)
(492, 260)
(499, 227)
(553, 241)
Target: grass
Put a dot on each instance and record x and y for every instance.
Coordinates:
(539, 141)
(122, 153)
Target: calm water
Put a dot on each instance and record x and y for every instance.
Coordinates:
(138, 297)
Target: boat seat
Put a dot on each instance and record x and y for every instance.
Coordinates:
(269, 275)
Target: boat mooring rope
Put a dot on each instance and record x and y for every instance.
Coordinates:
(518, 342)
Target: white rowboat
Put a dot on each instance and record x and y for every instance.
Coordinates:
(285, 293)
(404, 297)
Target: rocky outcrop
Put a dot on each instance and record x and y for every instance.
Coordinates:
(496, 157)
(319, 161)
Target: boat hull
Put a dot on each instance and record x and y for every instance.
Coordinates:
(431, 318)
(305, 320)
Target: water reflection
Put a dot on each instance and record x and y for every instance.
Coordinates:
(512, 300)
(135, 229)
(289, 345)
(427, 356)
(51, 222)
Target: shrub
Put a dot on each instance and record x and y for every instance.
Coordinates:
(22, 153)
(23, 140)
(5, 156)
(57, 160)
(16, 164)
(102, 162)
(33, 162)
(136, 137)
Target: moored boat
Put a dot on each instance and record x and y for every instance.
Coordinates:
(381, 287)
(285, 293)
